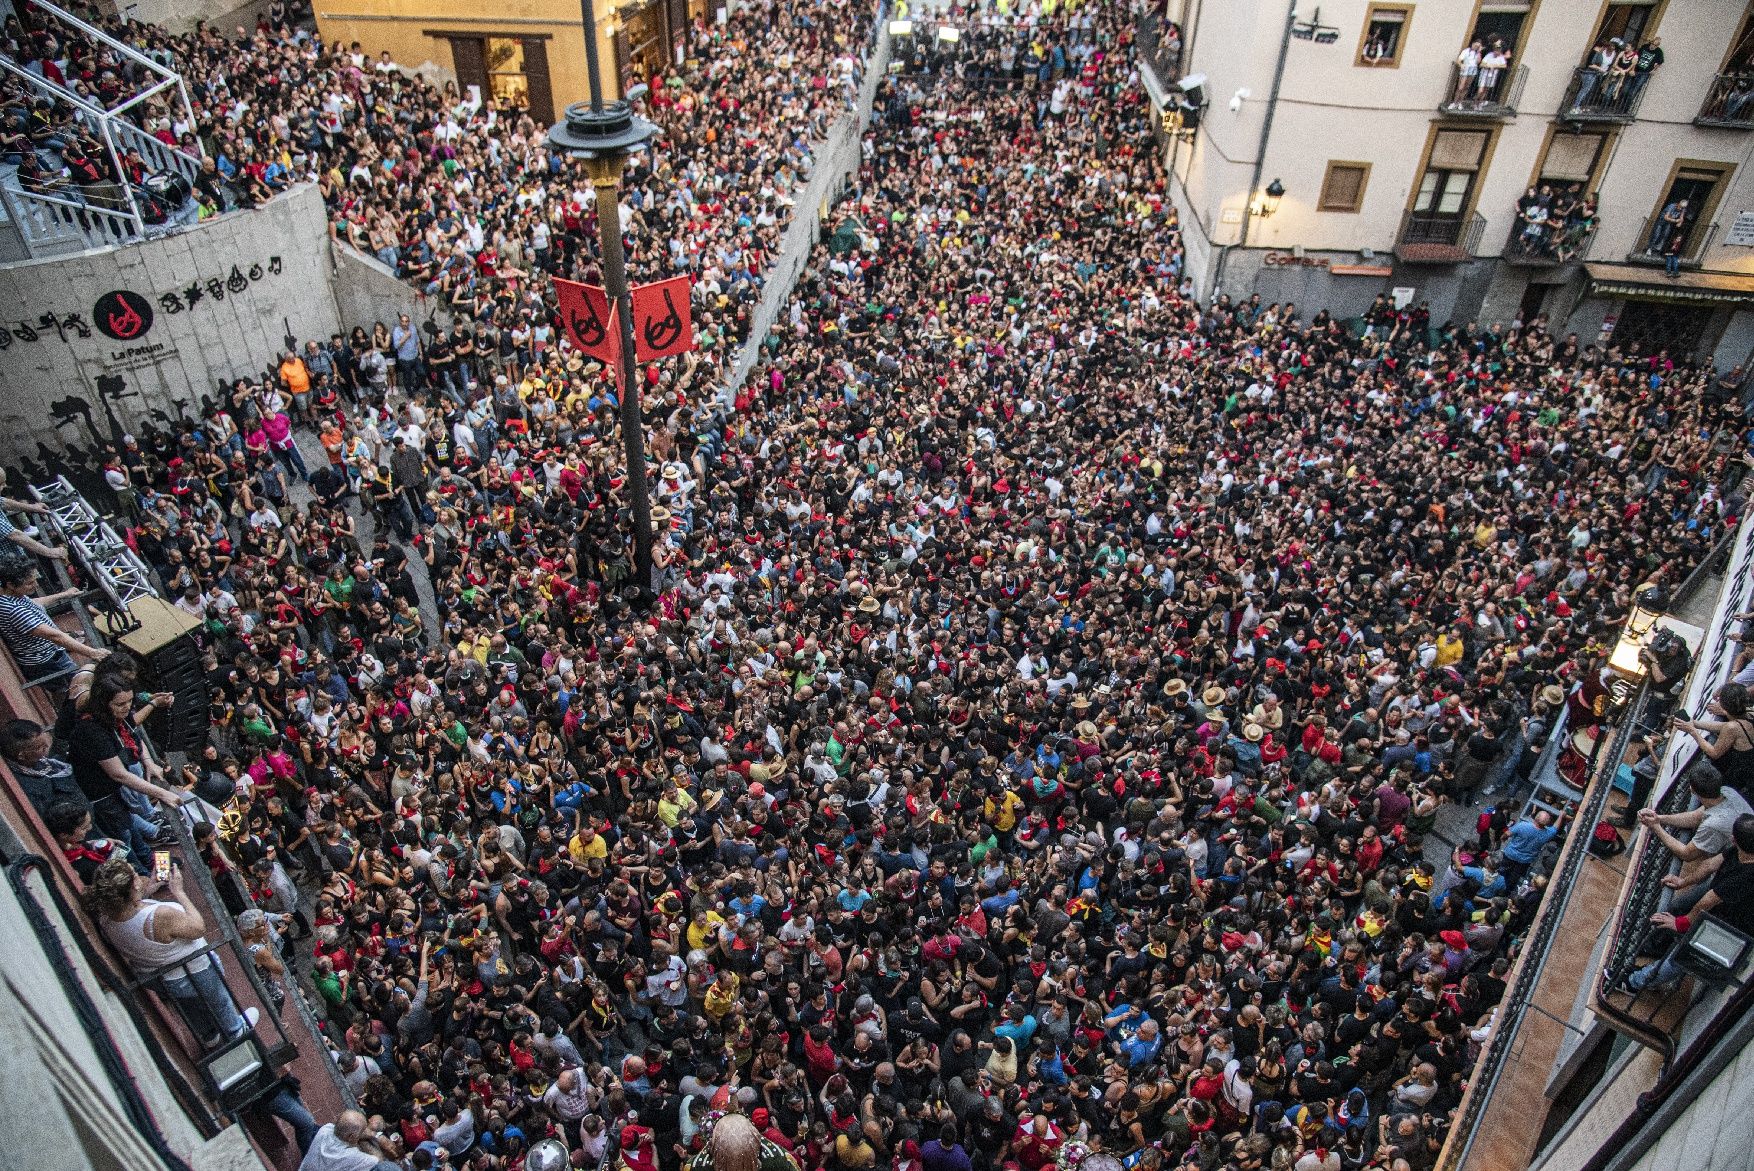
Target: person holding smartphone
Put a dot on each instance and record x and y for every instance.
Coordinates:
(168, 936)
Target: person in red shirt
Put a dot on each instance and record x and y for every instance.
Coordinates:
(1037, 1142)
(820, 1061)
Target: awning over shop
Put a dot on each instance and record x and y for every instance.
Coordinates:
(1652, 284)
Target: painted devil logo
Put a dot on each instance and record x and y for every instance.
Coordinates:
(122, 315)
(662, 332)
(588, 328)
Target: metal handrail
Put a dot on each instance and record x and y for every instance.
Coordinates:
(168, 157)
(1649, 863)
(1426, 228)
(1462, 96)
(1531, 959)
(1690, 254)
(1518, 249)
(294, 990)
(1593, 94)
(120, 46)
(167, 77)
(47, 223)
(133, 1103)
(1729, 101)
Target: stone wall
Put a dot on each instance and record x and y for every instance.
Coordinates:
(368, 291)
(837, 163)
(181, 16)
(128, 337)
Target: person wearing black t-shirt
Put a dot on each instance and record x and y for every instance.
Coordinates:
(106, 756)
(1730, 898)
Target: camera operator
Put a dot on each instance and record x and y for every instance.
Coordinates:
(1666, 660)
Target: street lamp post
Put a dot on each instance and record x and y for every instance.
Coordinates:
(603, 134)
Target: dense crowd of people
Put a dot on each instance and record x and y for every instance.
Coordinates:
(462, 197)
(1031, 740)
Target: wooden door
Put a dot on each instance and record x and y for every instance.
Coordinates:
(469, 56)
(536, 78)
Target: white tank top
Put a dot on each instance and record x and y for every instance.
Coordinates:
(129, 936)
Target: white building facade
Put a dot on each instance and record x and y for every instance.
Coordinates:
(1406, 138)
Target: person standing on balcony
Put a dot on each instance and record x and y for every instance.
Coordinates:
(1494, 63)
(169, 938)
(108, 759)
(1669, 224)
(1467, 69)
(45, 779)
(1647, 62)
(1730, 897)
(1711, 821)
(40, 648)
(26, 540)
(1618, 94)
(1595, 72)
(1730, 725)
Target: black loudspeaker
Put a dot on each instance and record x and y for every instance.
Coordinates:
(164, 642)
(176, 668)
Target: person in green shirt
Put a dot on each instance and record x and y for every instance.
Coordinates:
(340, 585)
(256, 725)
(331, 986)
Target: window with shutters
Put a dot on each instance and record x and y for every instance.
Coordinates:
(1343, 186)
(540, 89)
(1444, 197)
(1457, 150)
(1572, 160)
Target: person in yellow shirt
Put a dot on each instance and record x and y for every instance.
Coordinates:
(721, 995)
(703, 929)
(1003, 810)
(673, 804)
(1449, 649)
(586, 844)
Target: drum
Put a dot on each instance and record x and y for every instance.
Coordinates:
(1573, 764)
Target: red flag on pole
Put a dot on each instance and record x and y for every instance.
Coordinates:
(661, 322)
(589, 320)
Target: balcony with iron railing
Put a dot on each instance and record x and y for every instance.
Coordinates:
(1668, 1020)
(1160, 47)
(166, 1016)
(1729, 102)
(1500, 1119)
(1438, 239)
(1654, 240)
(1547, 245)
(1597, 96)
(215, 1080)
(1467, 97)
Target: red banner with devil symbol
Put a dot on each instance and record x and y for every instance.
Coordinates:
(589, 320)
(661, 321)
